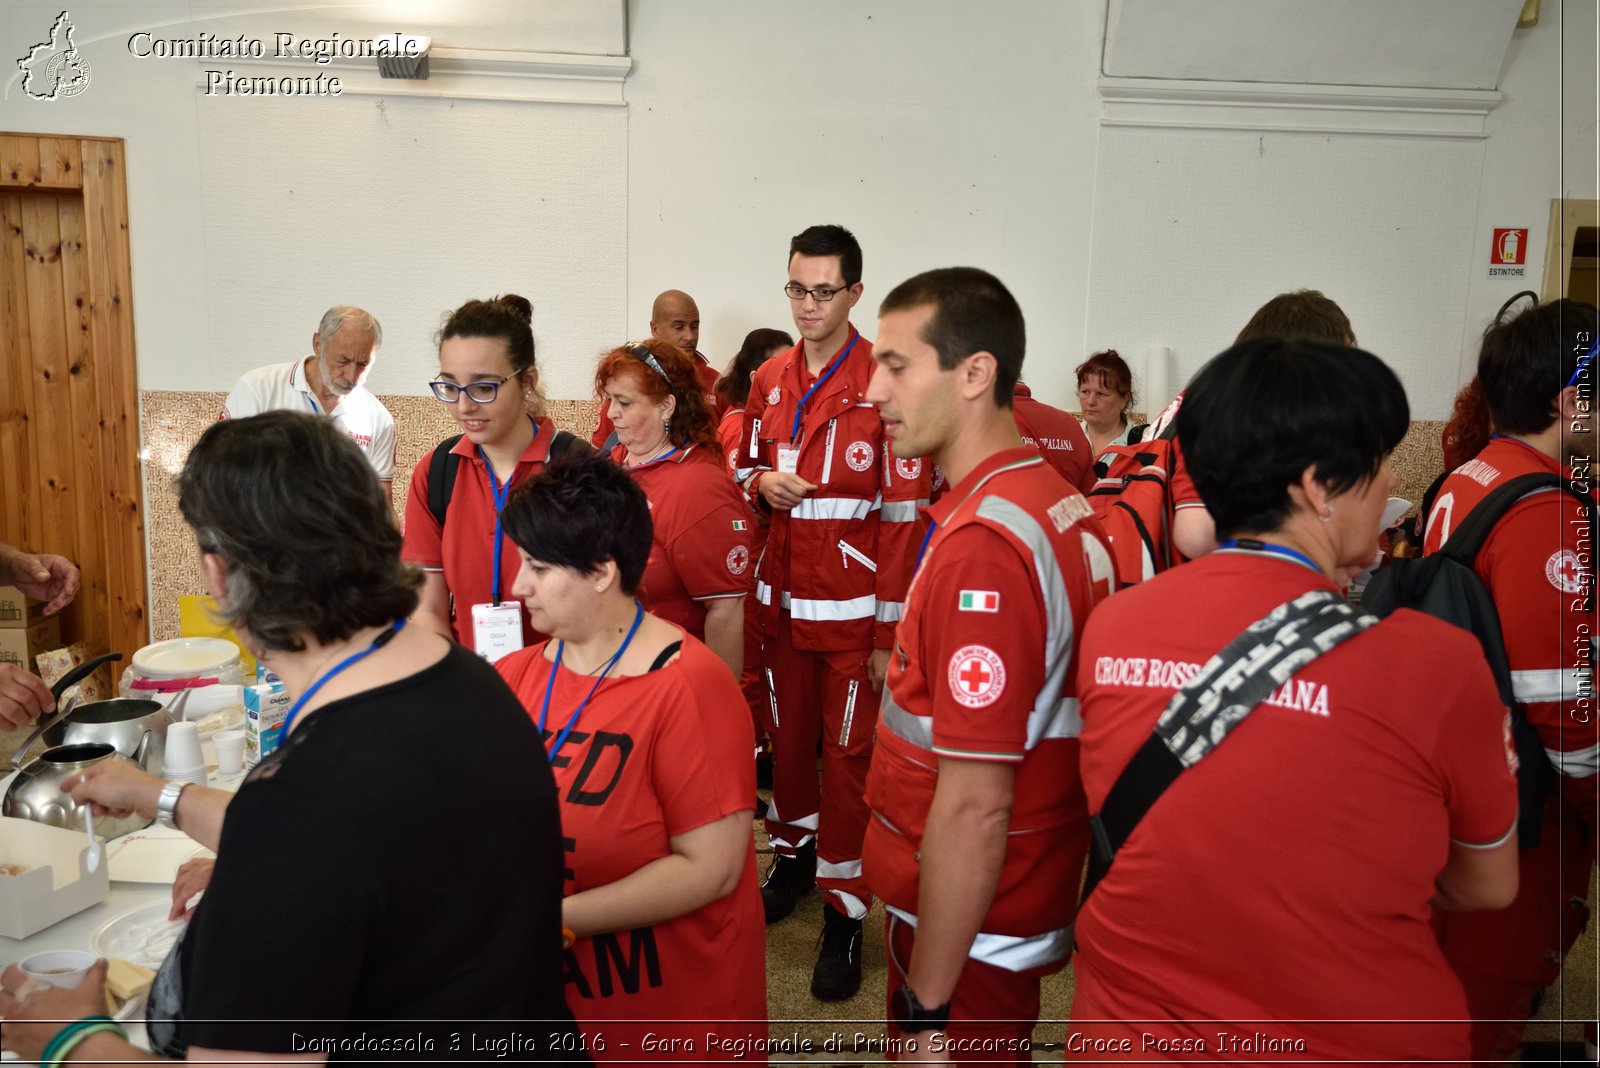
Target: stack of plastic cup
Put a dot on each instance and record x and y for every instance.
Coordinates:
(183, 761)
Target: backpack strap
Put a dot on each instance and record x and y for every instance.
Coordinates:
(1212, 704)
(442, 471)
(442, 477)
(1464, 542)
(564, 443)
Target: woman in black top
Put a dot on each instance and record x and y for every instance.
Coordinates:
(388, 864)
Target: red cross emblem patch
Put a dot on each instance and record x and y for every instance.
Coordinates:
(858, 456)
(977, 676)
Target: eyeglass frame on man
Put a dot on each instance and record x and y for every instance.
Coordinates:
(815, 294)
(440, 386)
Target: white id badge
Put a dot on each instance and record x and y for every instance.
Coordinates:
(497, 629)
(788, 459)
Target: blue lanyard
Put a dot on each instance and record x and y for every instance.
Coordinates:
(1252, 545)
(800, 411)
(502, 493)
(377, 643)
(923, 548)
(664, 457)
(549, 687)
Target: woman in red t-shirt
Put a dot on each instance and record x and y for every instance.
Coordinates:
(650, 749)
(700, 563)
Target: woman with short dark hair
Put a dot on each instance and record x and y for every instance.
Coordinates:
(651, 746)
(298, 549)
(1287, 879)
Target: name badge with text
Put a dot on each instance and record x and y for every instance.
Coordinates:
(496, 629)
(788, 459)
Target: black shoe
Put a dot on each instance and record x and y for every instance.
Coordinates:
(837, 975)
(788, 880)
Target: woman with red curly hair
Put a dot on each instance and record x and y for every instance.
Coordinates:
(700, 561)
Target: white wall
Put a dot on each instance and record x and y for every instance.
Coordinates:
(1541, 146)
(1196, 228)
(249, 216)
(940, 132)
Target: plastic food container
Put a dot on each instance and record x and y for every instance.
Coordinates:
(182, 664)
(51, 880)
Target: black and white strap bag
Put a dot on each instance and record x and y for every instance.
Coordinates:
(1213, 703)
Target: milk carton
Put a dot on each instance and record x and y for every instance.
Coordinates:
(266, 706)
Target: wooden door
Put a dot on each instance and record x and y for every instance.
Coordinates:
(69, 403)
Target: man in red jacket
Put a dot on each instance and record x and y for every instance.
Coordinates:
(829, 589)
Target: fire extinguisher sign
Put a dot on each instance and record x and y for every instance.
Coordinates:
(1508, 254)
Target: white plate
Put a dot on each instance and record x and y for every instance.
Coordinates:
(143, 935)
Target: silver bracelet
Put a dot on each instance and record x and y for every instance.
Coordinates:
(167, 803)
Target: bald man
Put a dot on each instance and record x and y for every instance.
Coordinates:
(675, 318)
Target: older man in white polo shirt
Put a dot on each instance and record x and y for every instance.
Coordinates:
(328, 382)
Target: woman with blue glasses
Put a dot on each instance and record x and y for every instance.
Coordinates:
(489, 382)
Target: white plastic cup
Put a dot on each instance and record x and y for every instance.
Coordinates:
(229, 746)
(58, 967)
(182, 756)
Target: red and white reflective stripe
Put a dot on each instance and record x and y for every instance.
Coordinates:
(818, 610)
(889, 611)
(833, 508)
(1014, 953)
(1550, 684)
(1576, 763)
(901, 511)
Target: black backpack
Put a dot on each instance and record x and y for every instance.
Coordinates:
(1445, 586)
(442, 469)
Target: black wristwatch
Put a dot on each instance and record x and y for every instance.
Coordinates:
(912, 1018)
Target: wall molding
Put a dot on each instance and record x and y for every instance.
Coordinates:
(1263, 106)
(461, 74)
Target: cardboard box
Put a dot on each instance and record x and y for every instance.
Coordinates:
(266, 706)
(18, 611)
(56, 883)
(20, 647)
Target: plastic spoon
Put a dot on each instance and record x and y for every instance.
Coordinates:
(96, 850)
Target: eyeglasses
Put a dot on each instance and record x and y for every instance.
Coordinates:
(1583, 363)
(483, 391)
(821, 294)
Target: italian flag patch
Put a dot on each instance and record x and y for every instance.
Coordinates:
(980, 601)
(739, 524)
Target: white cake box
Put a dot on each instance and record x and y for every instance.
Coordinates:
(55, 885)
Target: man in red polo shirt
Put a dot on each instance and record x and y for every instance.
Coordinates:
(1538, 376)
(982, 826)
(829, 590)
(674, 318)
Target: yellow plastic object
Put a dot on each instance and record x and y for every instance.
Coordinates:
(195, 620)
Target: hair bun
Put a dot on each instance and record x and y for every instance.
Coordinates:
(519, 306)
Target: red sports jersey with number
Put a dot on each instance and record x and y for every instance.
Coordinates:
(1281, 887)
(700, 543)
(840, 560)
(983, 670)
(1057, 435)
(1532, 565)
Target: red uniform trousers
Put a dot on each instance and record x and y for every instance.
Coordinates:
(1504, 957)
(1007, 1002)
(824, 697)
